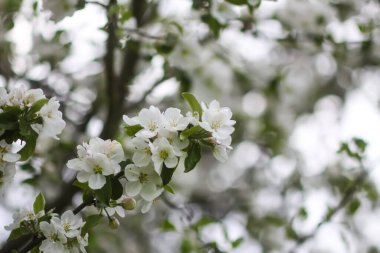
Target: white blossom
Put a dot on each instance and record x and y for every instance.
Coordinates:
(163, 153)
(5, 153)
(33, 95)
(53, 124)
(54, 239)
(151, 120)
(23, 215)
(143, 181)
(94, 169)
(69, 224)
(174, 140)
(174, 120)
(97, 159)
(142, 152)
(217, 120)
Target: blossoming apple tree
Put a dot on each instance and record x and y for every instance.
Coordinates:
(101, 128)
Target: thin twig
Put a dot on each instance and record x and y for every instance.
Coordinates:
(97, 3)
(141, 33)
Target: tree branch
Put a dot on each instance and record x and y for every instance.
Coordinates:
(347, 197)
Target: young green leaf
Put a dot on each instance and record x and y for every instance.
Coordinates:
(117, 188)
(193, 156)
(39, 203)
(193, 103)
(30, 145)
(8, 121)
(36, 107)
(195, 132)
(104, 194)
(166, 174)
(83, 186)
(17, 232)
(132, 130)
(169, 189)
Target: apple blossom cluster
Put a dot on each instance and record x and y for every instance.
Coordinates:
(160, 142)
(96, 160)
(24, 115)
(61, 235)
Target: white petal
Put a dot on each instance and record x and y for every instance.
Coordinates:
(10, 157)
(83, 176)
(146, 134)
(149, 192)
(141, 159)
(96, 181)
(146, 206)
(220, 153)
(132, 188)
(130, 121)
(171, 162)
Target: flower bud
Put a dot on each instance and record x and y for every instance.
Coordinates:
(114, 223)
(128, 203)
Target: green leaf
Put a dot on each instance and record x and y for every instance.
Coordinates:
(361, 144)
(353, 206)
(166, 174)
(117, 188)
(195, 132)
(91, 221)
(36, 107)
(168, 226)
(236, 243)
(169, 189)
(237, 2)
(204, 221)
(83, 186)
(8, 120)
(193, 103)
(39, 203)
(193, 156)
(30, 145)
(302, 213)
(132, 130)
(17, 232)
(88, 196)
(35, 249)
(105, 193)
(275, 220)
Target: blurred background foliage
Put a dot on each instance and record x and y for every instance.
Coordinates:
(301, 76)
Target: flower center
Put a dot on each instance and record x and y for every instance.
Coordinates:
(216, 124)
(152, 125)
(173, 123)
(66, 226)
(147, 151)
(54, 237)
(143, 178)
(97, 169)
(164, 154)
